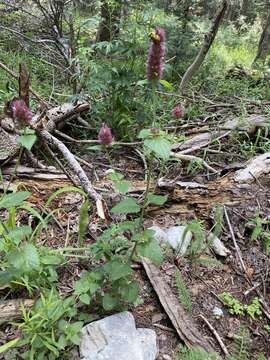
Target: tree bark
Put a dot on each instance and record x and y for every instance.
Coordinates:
(208, 40)
(109, 24)
(264, 43)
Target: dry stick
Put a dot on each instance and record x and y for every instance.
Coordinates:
(208, 40)
(221, 343)
(238, 251)
(76, 167)
(16, 76)
(193, 158)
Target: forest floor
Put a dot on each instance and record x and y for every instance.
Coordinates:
(244, 203)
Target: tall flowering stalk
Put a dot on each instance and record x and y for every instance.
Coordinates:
(156, 55)
(155, 64)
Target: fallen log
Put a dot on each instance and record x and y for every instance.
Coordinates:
(183, 324)
(12, 309)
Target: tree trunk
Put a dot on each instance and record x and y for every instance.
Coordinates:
(208, 40)
(109, 24)
(264, 43)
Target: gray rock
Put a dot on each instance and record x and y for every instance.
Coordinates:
(178, 237)
(217, 245)
(116, 338)
(148, 339)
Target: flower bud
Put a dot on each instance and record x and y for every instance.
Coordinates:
(177, 112)
(21, 111)
(105, 136)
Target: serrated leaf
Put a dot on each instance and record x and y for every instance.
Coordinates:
(25, 259)
(152, 251)
(117, 269)
(19, 233)
(159, 146)
(157, 199)
(122, 186)
(109, 302)
(130, 292)
(126, 206)
(14, 199)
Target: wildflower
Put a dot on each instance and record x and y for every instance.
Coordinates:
(105, 136)
(21, 111)
(154, 131)
(156, 55)
(177, 112)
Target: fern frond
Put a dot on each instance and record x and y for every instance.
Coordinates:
(182, 291)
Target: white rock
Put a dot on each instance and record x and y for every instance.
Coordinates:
(116, 338)
(179, 238)
(148, 339)
(218, 246)
(218, 312)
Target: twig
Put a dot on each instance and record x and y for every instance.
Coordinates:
(221, 343)
(76, 167)
(238, 251)
(193, 158)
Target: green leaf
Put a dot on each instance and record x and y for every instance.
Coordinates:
(25, 259)
(83, 221)
(126, 206)
(51, 259)
(142, 82)
(130, 292)
(19, 233)
(152, 251)
(166, 84)
(159, 146)
(109, 302)
(27, 140)
(117, 269)
(156, 199)
(8, 345)
(116, 176)
(95, 148)
(15, 199)
(144, 133)
(85, 298)
(122, 186)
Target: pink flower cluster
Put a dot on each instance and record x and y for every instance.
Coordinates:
(105, 135)
(21, 111)
(178, 112)
(156, 55)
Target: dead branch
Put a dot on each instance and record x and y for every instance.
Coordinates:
(184, 325)
(76, 167)
(12, 309)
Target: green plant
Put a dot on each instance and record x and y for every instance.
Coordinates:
(48, 328)
(261, 231)
(237, 308)
(182, 291)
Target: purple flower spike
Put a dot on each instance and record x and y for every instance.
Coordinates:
(21, 111)
(156, 55)
(177, 112)
(105, 136)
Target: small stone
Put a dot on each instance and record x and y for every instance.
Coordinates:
(218, 312)
(217, 245)
(179, 238)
